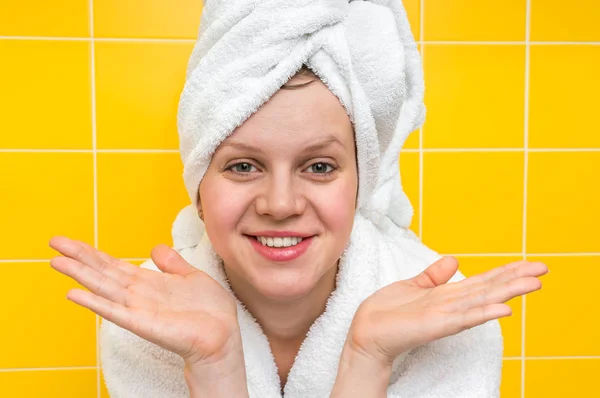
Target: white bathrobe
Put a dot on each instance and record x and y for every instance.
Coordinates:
(365, 53)
(466, 365)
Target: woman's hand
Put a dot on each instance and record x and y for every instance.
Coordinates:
(409, 313)
(182, 309)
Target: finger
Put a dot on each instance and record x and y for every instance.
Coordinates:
(501, 292)
(111, 311)
(486, 276)
(437, 273)
(76, 250)
(108, 271)
(477, 316)
(86, 254)
(169, 261)
(123, 266)
(514, 271)
(88, 277)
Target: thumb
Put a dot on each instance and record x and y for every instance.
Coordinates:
(170, 261)
(437, 273)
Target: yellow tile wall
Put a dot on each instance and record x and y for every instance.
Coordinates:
(506, 167)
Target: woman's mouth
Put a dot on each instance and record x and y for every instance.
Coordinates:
(276, 241)
(280, 248)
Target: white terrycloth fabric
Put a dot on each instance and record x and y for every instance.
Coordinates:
(364, 51)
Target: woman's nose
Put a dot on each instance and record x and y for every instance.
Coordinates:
(281, 198)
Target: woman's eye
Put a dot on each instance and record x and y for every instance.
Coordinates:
(321, 168)
(242, 167)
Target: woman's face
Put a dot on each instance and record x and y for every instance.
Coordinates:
(288, 172)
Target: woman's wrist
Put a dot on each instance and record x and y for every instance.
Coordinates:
(225, 378)
(361, 376)
(222, 376)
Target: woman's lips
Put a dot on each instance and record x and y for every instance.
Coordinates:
(281, 254)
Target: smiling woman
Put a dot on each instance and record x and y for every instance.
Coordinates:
(293, 271)
(283, 173)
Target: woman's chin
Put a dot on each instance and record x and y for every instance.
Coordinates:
(283, 291)
(288, 281)
(283, 287)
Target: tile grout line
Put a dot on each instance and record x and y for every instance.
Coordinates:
(581, 254)
(555, 358)
(414, 150)
(525, 179)
(52, 368)
(66, 368)
(510, 43)
(101, 39)
(94, 150)
(591, 254)
(44, 260)
(420, 150)
(95, 166)
(192, 40)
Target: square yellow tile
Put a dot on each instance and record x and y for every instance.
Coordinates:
(137, 89)
(475, 96)
(77, 383)
(510, 387)
(412, 142)
(561, 378)
(409, 164)
(44, 194)
(139, 195)
(564, 115)
(561, 318)
(562, 202)
(45, 96)
(44, 328)
(413, 11)
(44, 18)
(555, 20)
(147, 18)
(511, 326)
(473, 202)
(475, 20)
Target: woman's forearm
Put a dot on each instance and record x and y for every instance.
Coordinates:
(360, 376)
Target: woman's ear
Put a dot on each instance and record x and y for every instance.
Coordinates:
(199, 206)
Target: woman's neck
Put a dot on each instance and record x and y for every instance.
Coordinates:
(285, 322)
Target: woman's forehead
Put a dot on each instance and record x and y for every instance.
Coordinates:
(296, 118)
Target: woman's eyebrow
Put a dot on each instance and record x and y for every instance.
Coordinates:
(323, 143)
(241, 146)
(319, 145)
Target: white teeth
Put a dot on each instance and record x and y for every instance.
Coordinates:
(279, 242)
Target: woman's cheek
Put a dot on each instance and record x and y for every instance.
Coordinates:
(338, 206)
(224, 206)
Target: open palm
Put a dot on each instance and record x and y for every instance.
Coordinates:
(409, 313)
(181, 309)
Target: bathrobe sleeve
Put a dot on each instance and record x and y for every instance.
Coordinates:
(135, 368)
(434, 371)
